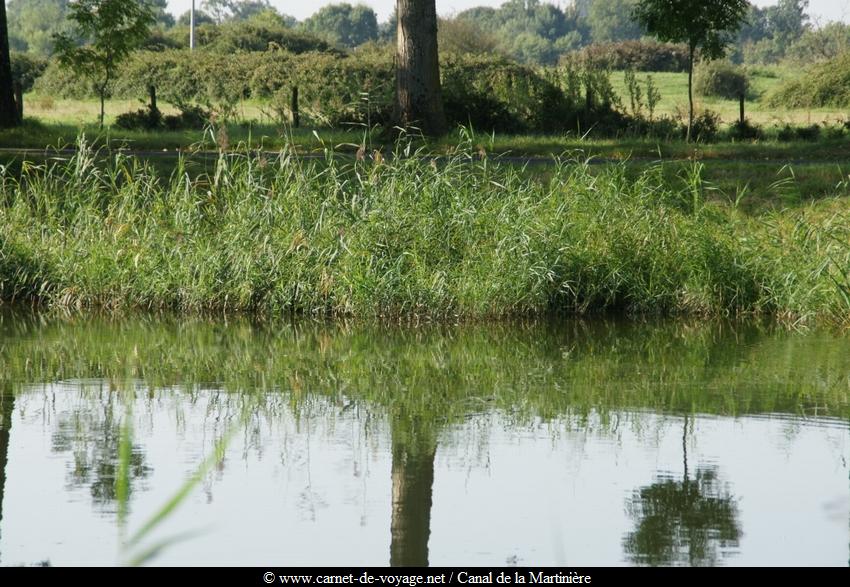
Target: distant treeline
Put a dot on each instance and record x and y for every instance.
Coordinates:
(528, 31)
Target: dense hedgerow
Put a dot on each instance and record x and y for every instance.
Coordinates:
(400, 236)
(637, 56)
(490, 93)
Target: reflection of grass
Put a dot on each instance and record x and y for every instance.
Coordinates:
(439, 373)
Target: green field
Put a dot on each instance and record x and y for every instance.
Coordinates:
(763, 81)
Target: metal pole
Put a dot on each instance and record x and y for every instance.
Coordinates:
(192, 27)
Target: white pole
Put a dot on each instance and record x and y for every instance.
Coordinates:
(192, 27)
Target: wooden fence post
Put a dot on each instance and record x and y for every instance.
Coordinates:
(152, 94)
(19, 98)
(296, 116)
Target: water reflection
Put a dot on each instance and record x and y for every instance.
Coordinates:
(414, 446)
(7, 406)
(683, 521)
(422, 392)
(91, 434)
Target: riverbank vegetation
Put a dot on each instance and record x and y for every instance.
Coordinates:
(455, 237)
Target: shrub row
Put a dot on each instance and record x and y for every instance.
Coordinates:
(638, 56)
(491, 93)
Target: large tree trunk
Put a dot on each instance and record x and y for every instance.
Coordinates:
(7, 404)
(419, 99)
(8, 108)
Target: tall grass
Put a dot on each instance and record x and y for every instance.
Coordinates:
(405, 236)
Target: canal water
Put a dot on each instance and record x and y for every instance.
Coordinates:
(169, 441)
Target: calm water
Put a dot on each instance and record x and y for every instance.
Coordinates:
(560, 443)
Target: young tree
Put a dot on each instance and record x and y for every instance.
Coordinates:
(704, 25)
(419, 98)
(8, 107)
(113, 28)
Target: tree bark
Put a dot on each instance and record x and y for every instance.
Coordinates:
(8, 107)
(419, 98)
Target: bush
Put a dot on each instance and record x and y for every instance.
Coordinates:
(26, 69)
(253, 37)
(719, 79)
(821, 86)
(745, 131)
(705, 127)
(150, 119)
(496, 94)
(789, 133)
(144, 119)
(190, 118)
(60, 82)
(637, 56)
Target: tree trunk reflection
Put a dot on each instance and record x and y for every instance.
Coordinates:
(414, 447)
(7, 405)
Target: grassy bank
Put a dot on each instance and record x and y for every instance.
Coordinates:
(47, 136)
(459, 238)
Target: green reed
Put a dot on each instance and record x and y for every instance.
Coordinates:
(408, 236)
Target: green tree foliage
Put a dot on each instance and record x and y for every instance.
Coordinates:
(224, 10)
(201, 17)
(824, 43)
(26, 69)
(253, 35)
(531, 31)
(637, 55)
(33, 23)
(613, 20)
(160, 12)
(387, 29)
(344, 24)
(458, 36)
(112, 29)
(704, 25)
(768, 33)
